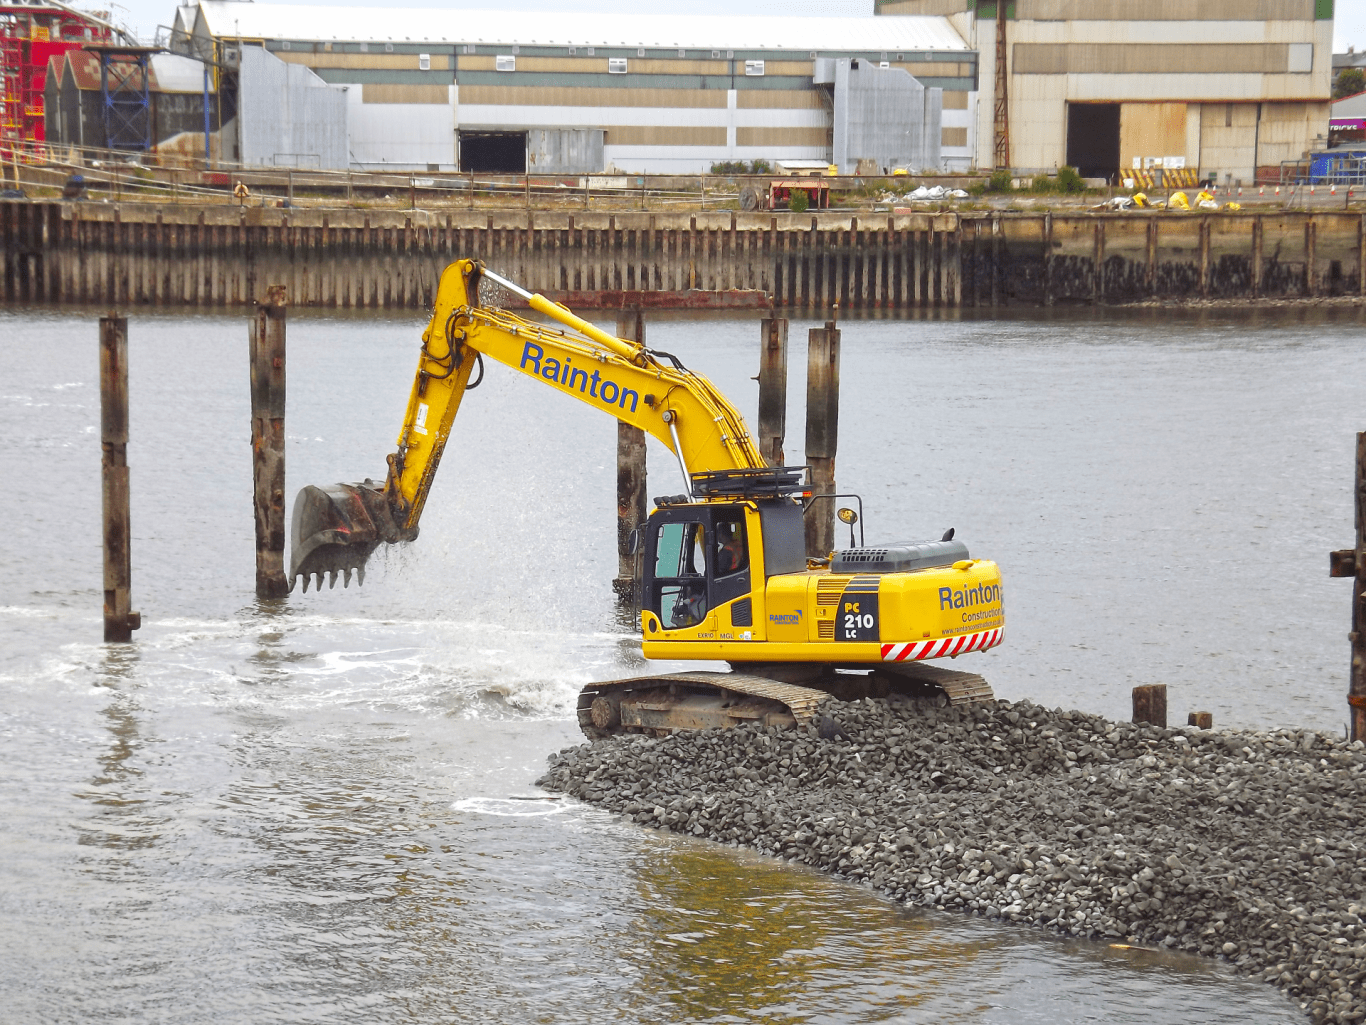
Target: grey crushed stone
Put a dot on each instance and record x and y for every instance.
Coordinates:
(1236, 844)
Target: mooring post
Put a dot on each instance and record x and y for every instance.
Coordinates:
(268, 442)
(630, 477)
(1351, 562)
(1150, 704)
(119, 619)
(772, 388)
(822, 434)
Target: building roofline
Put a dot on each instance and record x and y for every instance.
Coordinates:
(230, 18)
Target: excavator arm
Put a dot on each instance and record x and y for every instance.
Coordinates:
(336, 528)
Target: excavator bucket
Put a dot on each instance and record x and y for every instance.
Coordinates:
(334, 529)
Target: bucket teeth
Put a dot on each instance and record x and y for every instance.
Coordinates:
(334, 531)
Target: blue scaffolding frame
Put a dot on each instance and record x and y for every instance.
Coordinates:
(126, 96)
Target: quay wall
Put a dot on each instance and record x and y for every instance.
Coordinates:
(171, 255)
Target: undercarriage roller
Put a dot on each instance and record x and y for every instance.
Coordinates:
(659, 705)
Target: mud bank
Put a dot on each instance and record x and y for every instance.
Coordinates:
(1243, 845)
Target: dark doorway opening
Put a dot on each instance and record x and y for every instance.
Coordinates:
(1093, 139)
(493, 152)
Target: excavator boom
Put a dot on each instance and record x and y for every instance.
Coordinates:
(336, 528)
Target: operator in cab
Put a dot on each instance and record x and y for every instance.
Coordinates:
(730, 548)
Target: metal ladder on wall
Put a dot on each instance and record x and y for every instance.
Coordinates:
(11, 89)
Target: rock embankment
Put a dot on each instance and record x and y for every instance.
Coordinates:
(1242, 845)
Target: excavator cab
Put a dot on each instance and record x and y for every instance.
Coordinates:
(696, 560)
(704, 564)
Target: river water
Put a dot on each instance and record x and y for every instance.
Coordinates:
(325, 811)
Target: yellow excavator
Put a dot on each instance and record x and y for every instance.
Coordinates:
(722, 569)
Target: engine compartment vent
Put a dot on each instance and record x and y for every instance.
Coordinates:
(899, 558)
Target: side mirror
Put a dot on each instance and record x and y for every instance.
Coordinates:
(633, 542)
(850, 517)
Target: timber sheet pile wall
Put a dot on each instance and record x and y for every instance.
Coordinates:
(1041, 260)
(72, 253)
(130, 255)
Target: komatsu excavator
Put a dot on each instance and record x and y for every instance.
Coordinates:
(722, 569)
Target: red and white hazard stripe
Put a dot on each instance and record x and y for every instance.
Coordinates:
(914, 651)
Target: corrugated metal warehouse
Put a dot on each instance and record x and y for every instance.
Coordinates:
(555, 92)
(1223, 86)
(173, 122)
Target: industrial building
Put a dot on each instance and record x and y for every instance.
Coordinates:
(1227, 87)
(442, 90)
(32, 33)
(1230, 89)
(158, 102)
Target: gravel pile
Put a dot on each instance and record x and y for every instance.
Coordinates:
(1247, 846)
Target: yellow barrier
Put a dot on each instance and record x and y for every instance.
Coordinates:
(1162, 178)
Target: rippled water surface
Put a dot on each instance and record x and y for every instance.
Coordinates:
(325, 811)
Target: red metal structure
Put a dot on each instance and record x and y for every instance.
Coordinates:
(32, 32)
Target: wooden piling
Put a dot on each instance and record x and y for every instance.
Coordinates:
(1361, 256)
(1150, 704)
(268, 442)
(1356, 697)
(1352, 563)
(1311, 268)
(822, 434)
(772, 388)
(1048, 259)
(1201, 720)
(1257, 257)
(1204, 256)
(1098, 263)
(631, 506)
(119, 619)
(1150, 259)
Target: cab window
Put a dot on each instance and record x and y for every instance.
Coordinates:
(732, 554)
(680, 598)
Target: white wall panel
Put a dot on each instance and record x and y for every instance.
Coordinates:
(404, 136)
(478, 115)
(698, 159)
(288, 116)
(1138, 31)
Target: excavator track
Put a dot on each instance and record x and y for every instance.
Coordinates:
(670, 702)
(692, 701)
(959, 687)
